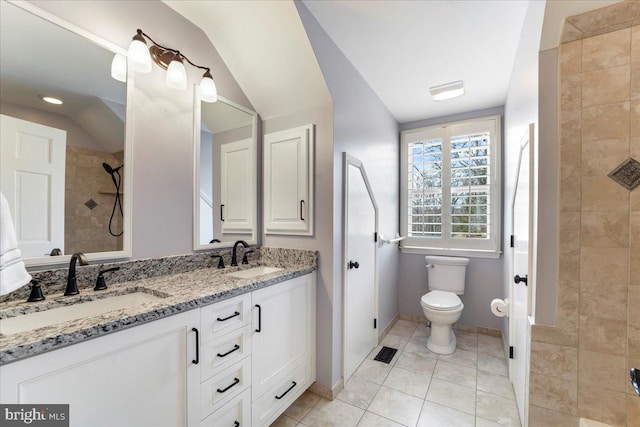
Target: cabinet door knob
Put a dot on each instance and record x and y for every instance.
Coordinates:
(353, 264)
(517, 279)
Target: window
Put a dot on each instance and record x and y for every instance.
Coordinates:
(450, 183)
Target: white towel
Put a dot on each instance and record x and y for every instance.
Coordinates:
(13, 274)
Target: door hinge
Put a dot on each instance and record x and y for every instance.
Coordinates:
(375, 236)
(511, 352)
(513, 240)
(375, 323)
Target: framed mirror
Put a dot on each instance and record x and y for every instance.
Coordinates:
(66, 167)
(225, 174)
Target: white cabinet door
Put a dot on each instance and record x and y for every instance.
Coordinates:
(238, 187)
(284, 334)
(288, 181)
(143, 376)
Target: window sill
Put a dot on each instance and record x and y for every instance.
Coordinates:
(470, 253)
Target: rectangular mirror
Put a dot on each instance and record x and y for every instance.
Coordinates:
(63, 165)
(225, 165)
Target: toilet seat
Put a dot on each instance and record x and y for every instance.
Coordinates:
(441, 301)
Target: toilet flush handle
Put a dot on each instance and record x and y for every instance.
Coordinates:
(429, 265)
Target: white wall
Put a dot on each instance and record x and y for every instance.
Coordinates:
(364, 128)
(521, 109)
(484, 278)
(163, 117)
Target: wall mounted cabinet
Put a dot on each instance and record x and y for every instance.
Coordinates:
(288, 181)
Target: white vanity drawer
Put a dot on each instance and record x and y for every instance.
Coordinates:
(268, 407)
(236, 413)
(225, 350)
(224, 316)
(224, 386)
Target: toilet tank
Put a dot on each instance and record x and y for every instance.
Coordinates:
(446, 273)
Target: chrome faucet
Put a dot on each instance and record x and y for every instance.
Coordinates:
(234, 254)
(72, 284)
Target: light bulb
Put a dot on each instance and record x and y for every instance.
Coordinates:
(208, 90)
(138, 54)
(119, 68)
(176, 74)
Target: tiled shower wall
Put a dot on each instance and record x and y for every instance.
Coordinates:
(580, 367)
(86, 229)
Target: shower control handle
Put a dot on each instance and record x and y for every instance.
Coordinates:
(517, 279)
(353, 264)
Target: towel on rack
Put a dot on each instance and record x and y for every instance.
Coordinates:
(13, 273)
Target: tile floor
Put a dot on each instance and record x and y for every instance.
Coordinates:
(418, 388)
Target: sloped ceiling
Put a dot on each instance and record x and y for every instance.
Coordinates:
(264, 45)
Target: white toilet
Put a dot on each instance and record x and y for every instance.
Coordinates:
(441, 306)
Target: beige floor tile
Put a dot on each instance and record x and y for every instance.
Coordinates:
(373, 371)
(491, 345)
(406, 323)
(420, 347)
(461, 357)
(496, 384)
(402, 330)
(302, 406)
(494, 365)
(395, 341)
(284, 421)
(466, 340)
(457, 374)
(396, 406)
(416, 363)
(452, 395)
(497, 409)
(373, 420)
(358, 392)
(408, 382)
(481, 422)
(333, 413)
(434, 415)
(422, 331)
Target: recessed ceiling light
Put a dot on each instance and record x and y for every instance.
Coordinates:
(51, 100)
(447, 91)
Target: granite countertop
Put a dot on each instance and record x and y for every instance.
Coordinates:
(179, 293)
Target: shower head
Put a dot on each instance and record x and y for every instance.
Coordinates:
(111, 170)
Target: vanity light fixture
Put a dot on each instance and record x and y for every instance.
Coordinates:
(51, 100)
(447, 91)
(119, 68)
(139, 57)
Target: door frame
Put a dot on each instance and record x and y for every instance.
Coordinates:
(348, 161)
(527, 142)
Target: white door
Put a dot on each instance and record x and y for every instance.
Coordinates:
(238, 183)
(522, 279)
(32, 165)
(360, 290)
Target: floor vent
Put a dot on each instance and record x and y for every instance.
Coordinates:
(386, 354)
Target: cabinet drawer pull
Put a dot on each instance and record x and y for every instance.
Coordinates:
(197, 359)
(235, 314)
(288, 390)
(221, 213)
(259, 318)
(235, 381)
(301, 203)
(235, 347)
(236, 424)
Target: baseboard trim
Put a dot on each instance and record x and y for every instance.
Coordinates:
(383, 333)
(326, 392)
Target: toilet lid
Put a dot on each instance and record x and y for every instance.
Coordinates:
(441, 300)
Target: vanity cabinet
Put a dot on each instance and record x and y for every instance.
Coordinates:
(288, 181)
(237, 362)
(143, 376)
(283, 345)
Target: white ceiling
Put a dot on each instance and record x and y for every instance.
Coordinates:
(401, 48)
(265, 46)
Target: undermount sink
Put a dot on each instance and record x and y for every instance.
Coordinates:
(39, 319)
(254, 272)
